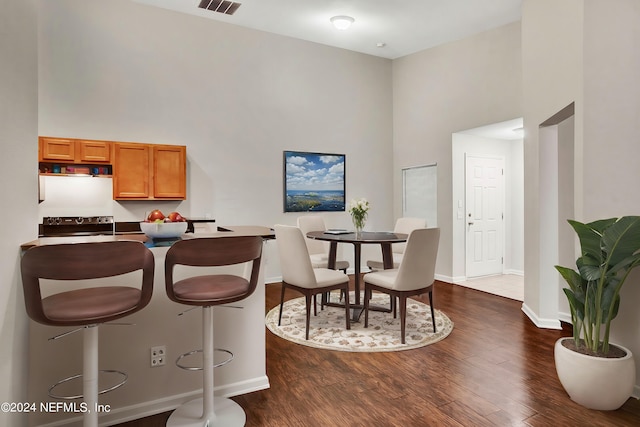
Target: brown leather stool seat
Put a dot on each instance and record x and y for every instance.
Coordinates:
(198, 290)
(209, 290)
(86, 307)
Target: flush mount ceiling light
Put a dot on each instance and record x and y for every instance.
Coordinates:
(342, 22)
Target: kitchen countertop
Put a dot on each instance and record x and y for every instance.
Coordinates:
(225, 231)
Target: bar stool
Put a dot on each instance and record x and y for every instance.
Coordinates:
(86, 308)
(207, 291)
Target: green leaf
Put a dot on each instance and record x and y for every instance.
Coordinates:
(573, 279)
(590, 308)
(589, 268)
(624, 264)
(622, 239)
(608, 295)
(576, 304)
(589, 235)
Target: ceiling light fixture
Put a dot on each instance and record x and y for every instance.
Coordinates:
(342, 22)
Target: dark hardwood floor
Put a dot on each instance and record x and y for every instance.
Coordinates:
(495, 369)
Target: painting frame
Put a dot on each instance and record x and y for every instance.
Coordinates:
(313, 181)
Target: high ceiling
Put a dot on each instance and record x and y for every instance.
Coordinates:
(400, 27)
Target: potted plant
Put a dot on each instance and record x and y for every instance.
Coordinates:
(596, 373)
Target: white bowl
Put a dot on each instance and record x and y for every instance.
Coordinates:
(163, 229)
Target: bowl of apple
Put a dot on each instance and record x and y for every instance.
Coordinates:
(158, 226)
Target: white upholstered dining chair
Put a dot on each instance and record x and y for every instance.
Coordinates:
(403, 225)
(318, 250)
(299, 274)
(415, 276)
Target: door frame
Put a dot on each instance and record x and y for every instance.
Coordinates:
(478, 141)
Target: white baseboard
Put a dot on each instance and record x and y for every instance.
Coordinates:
(444, 278)
(514, 272)
(565, 317)
(165, 404)
(276, 279)
(540, 322)
(459, 279)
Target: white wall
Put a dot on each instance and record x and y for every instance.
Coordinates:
(18, 190)
(568, 246)
(551, 34)
(446, 89)
(611, 128)
(592, 48)
(235, 97)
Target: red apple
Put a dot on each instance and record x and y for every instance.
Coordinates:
(155, 215)
(176, 217)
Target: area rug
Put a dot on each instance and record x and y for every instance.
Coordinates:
(327, 329)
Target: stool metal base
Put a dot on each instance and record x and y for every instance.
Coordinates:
(227, 414)
(196, 368)
(123, 375)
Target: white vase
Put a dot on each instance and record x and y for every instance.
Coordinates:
(598, 383)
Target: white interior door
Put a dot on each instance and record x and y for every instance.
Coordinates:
(484, 216)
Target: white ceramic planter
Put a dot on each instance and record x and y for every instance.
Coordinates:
(595, 382)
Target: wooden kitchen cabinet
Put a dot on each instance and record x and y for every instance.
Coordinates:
(139, 171)
(66, 150)
(169, 173)
(148, 172)
(56, 149)
(131, 171)
(93, 151)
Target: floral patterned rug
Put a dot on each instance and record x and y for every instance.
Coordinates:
(327, 329)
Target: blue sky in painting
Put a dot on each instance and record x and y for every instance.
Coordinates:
(317, 172)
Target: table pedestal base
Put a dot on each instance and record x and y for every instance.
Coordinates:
(358, 309)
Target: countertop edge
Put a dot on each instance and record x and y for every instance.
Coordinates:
(226, 231)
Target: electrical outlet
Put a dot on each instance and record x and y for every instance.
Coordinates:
(158, 355)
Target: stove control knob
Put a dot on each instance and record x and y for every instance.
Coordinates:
(57, 220)
(79, 220)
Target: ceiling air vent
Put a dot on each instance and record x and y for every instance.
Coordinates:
(221, 6)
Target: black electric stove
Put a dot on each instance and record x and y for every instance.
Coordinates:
(59, 226)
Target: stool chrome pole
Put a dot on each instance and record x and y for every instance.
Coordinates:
(90, 375)
(209, 410)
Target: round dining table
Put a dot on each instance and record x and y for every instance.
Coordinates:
(383, 238)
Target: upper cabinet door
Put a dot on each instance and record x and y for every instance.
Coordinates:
(57, 149)
(131, 171)
(169, 172)
(94, 151)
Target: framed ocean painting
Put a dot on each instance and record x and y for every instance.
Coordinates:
(313, 182)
